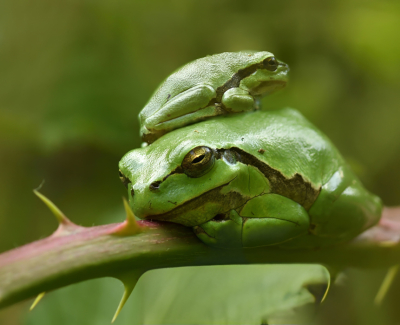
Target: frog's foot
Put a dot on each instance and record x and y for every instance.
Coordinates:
(223, 231)
(265, 220)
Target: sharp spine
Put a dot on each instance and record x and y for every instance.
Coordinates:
(130, 226)
(36, 301)
(61, 218)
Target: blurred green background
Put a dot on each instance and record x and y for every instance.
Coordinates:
(75, 74)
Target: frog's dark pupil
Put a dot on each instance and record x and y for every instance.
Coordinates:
(272, 61)
(198, 159)
(271, 64)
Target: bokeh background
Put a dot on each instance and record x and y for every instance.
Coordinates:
(75, 74)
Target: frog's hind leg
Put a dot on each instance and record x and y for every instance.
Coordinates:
(272, 219)
(268, 219)
(343, 209)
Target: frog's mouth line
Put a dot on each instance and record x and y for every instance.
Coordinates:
(227, 201)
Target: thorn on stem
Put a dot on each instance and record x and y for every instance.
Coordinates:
(125, 296)
(387, 282)
(130, 226)
(61, 218)
(36, 301)
(129, 280)
(65, 225)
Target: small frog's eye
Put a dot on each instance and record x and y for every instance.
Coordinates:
(123, 179)
(198, 161)
(271, 63)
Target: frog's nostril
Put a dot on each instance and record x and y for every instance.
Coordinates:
(155, 186)
(132, 192)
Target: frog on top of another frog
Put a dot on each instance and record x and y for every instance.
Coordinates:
(230, 82)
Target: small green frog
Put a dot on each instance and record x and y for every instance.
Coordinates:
(217, 84)
(248, 180)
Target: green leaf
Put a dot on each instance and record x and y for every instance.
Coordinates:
(245, 294)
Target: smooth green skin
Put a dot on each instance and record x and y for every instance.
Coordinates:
(217, 84)
(324, 204)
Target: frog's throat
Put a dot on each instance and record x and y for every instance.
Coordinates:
(227, 201)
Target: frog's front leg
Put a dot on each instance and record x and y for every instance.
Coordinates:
(268, 219)
(238, 100)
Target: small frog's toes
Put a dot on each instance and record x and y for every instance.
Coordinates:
(238, 100)
(224, 231)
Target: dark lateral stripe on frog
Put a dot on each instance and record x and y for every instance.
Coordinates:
(235, 81)
(294, 188)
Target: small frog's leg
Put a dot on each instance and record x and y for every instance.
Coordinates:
(272, 219)
(223, 233)
(238, 100)
(187, 102)
(183, 120)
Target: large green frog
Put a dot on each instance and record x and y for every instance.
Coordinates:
(230, 82)
(248, 180)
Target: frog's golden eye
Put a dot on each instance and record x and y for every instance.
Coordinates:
(198, 161)
(124, 179)
(271, 63)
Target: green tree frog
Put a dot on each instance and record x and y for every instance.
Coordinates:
(207, 87)
(255, 179)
